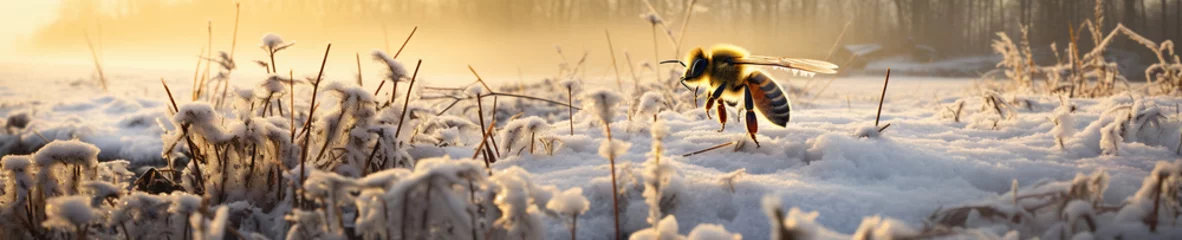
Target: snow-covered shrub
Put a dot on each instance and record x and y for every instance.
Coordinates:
(662, 181)
(70, 213)
(1125, 123)
(519, 132)
(519, 218)
(665, 229)
(212, 229)
(1064, 124)
(272, 44)
(347, 127)
(569, 203)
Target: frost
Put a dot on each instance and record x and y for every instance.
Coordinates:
(569, 202)
(273, 43)
(72, 152)
(614, 148)
(394, 70)
(878, 227)
(712, 232)
(666, 229)
(602, 103)
(211, 229)
(650, 104)
(68, 212)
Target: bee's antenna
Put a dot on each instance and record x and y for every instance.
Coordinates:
(674, 61)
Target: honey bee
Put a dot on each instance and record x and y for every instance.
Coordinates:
(730, 73)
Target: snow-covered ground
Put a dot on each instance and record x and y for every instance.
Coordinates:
(923, 162)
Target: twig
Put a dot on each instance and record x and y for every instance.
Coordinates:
(570, 110)
(532, 98)
(483, 143)
(293, 113)
(611, 50)
(196, 70)
(402, 119)
(708, 149)
(97, 64)
(412, 34)
(311, 114)
(208, 55)
(883, 97)
(689, 10)
(359, 82)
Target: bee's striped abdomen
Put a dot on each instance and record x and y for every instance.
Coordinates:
(769, 99)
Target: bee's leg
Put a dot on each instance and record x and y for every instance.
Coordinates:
(713, 96)
(721, 114)
(709, 104)
(752, 123)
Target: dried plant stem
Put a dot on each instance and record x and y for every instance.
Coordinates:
(369, 160)
(615, 197)
(707, 149)
(98, 66)
(883, 97)
(483, 144)
(480, 111)
(311, 114)
(611, 50)
(233, 46)
(234, 39)
(689, 11)
(208, 54)
(412, 34)
(196, 71)
(532, 98)
(574, 224)
(359, 82)
(291, 95)
(656, 53)
(570, 110)
(494, 125)
(406, 103)
(631, 69)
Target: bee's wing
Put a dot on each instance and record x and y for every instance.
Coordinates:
(809, 65)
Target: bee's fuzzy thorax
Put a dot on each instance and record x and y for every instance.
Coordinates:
(727, 51)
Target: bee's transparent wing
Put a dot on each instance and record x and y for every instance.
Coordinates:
(797, 64)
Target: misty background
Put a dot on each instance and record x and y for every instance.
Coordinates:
(507, 40)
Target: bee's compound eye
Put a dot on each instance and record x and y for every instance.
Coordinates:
(696, 69)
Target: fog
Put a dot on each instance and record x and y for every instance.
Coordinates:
(507, 40)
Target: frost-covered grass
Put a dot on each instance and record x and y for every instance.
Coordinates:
(478, 162)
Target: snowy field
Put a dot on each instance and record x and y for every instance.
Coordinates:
(927, 160)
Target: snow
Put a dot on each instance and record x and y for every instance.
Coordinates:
(829, 182)
(72, 152)
(712, 232)
(68, 212)
(394, 69)
(569, 202)
(272, 42)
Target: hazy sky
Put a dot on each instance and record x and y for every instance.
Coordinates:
(18, 19)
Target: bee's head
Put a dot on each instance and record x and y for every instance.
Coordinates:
(696, 64)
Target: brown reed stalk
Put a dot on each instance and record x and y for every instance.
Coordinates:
(196, 71)
(406, 103)
(612, 51)
(708, 149)
(883, 97)
(97, 63)
(311, 114)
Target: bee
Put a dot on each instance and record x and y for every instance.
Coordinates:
(730, 73)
